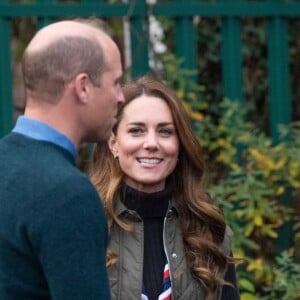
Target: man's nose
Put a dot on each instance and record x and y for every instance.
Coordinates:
(120, 96)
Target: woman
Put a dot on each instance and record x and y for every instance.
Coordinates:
(167, 239)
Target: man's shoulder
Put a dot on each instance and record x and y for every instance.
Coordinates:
(8, 140)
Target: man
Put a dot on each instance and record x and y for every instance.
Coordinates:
(53, 230)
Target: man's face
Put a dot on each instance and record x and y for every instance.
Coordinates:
(106, 98)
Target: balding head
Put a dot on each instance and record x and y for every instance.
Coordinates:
(60, 51)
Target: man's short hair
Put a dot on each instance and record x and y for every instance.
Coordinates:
(48, 70)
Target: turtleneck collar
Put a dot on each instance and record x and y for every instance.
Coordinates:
(147, 205)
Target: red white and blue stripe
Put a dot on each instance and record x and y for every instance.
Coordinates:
(166, 286)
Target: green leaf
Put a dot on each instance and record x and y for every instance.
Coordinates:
(247, 296)
(245, 284)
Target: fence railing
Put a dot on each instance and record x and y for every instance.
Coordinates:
(136, 12)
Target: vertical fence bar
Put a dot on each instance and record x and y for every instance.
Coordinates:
(279, 77)
(43, 21)
(186, 44)
(231, 53)
(6, 99)
(280, 99)
(139, 36)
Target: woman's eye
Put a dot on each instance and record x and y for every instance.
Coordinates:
(135, 130)
(166, 131)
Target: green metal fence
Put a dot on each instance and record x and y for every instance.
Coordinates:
(277, 13)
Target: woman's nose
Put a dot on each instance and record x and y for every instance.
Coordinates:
(150, 141)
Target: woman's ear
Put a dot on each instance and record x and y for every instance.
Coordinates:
(113, 145)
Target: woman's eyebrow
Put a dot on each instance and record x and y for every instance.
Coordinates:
(136, 123)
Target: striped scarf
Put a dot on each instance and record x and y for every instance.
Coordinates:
(166, 286)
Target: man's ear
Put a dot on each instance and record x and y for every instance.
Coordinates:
(81, 82)
(113, 145)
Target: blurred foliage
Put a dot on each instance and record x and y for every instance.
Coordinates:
(286, 281)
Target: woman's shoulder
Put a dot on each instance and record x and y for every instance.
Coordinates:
(226, 246)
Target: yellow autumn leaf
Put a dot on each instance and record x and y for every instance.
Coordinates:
(263, 161)
(192, 96)
(192, 114)
(294, 169)
(244, 137)
(249, 229)
(280, 190)
(280, 164)
(258, 220)
(239, 253)
(196, 116)
(270, 232)
(223, 158)
(231, 150)
(256, 264)
(180, 93)
(234, 166)
(220, 141)
(294, 183)
(186, 106)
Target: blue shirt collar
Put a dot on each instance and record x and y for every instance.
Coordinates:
(43, 132)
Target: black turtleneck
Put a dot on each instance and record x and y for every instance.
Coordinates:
(152, 208)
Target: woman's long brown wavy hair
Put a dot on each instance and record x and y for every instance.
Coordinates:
(202, 224)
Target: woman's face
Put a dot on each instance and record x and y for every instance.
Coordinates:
(146, 143)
